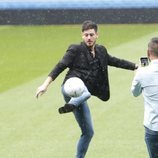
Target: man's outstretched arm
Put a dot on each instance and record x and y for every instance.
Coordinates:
(43, 88)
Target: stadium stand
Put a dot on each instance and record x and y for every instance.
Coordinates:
(76, 11)
(76, 4)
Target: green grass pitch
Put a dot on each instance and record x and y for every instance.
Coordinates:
(32, 128)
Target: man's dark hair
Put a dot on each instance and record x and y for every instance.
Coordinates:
(153, 45)
(88, 24)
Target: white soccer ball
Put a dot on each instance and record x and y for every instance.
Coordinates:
(74, 87)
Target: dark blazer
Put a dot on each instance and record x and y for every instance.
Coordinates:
(77, 59)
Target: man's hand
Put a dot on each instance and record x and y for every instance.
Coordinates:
(136, 66)
(40, 91)
(43, 88)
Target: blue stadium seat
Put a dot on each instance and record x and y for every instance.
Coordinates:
(76, 4)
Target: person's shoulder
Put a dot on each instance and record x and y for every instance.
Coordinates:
(143, 71)
(101, 47)
(74, 46)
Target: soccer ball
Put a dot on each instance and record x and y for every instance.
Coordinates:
(74, 87)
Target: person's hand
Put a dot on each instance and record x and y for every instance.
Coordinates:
(40, 91)
(43, 88)
(136, 66)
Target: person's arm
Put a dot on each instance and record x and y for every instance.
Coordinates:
(121, 63)
(117, 62)
(43, 88)
(65, 62)
(59, 68)
(136, 87)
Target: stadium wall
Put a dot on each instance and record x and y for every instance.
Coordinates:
(76, 16)
(36, 12)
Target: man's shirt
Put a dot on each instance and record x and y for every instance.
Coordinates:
(146, 82)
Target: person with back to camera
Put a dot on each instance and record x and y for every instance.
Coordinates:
(146, 82)
(89, 62)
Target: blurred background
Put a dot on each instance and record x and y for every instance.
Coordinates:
(76, 11)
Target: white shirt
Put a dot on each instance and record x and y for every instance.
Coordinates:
(146, 82)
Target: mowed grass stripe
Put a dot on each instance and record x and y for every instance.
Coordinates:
(31, 128)
(27, 52)
(4, 27)
(28, 125)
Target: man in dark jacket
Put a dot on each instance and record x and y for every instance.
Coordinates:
(89, 62)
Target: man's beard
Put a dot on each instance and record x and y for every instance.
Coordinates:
(91, 46)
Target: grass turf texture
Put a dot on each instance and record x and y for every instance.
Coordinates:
(28, 52)
(34, 129)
